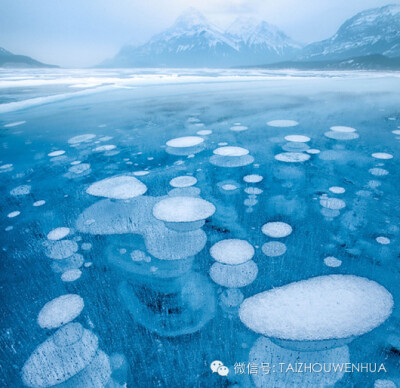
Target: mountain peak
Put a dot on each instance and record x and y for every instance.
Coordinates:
(191, 17)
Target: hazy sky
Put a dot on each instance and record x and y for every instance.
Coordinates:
(84, 32)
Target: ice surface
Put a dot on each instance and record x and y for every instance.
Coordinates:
(119, 187)
(183, 181)
(292, 157)
(297, 138)
(282, 123)
(232, 251)
(320, 308)
(183, 209)
(277, 229)
(60, 311)
(274, 249)
(58, 233)
(234, 276)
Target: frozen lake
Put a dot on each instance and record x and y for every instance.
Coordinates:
(150, 221)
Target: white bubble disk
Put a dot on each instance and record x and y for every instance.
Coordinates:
(56, 153)
(58, 250)
(60, 311)
(382, 155)
(185, 141)
(15, 124)
(378, 171)
(183, 181)
(333, 262)
(183, 209)
(253, 191)
(232, 251)
(313, 151)
(13, 214)
(383, 240)
(274, 249)
(320, 308)
(229, 187)
(39, 203)
(337, 190)
(119, 187)
(141, 173)
(396, 132)
(58, 233)
(342, 129)
(292, 157)
(341, 135)
(297, 138)
(79, 168)
(231, 151)
(277, 229)
(253, 178)
(71, 275)
(332, 203)
(239, 128)
(107, 147)
(250, 202)
(81, 138)
(20, 190)
(204, 132)
(282, 123)
(234, 276)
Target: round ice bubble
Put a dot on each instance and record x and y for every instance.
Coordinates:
(383, 240)
(183, 181)
(234, 276)
(320, 308)
(297, 138)
(58, 233)
(277, 229)
(253, 178)
(60, 311)
(183, 209)
(81, 138)
(378, 171)
(239, 128)
(204, 132)
(59, 250)
(185, 141)
(253, 191)
(71, 275)
(332, 203)
(232, 251)
(341, 135)
(333, 262)
(56, 153)
(20, 190)
(337, 190)
(292, 157)
(382, 155)
(342, 129)
(119, 187)
(231, 151)
(13, 214)
(274, 249)
(107, 147)
(282, 123)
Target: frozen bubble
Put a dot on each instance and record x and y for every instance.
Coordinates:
(15, 124)
(141, 173)
(333, 262)
(106, 147)
(75, 162)
(21, 190)
(59, 250)
(277, 229)
(330, 213)
(234, 276)
(383, 383)
(79, 168)
(193, 120)
(313, 151)
(231, 161)
(184, 142)
(332, 203)
(253, 191)
(297, 138)
(342, 129)
(292, 157)
(231, 151)
(341, 135)
(60, 357)
(86, 246)
(119, 187)
(138, 255)
(58, 233)
(60, 311)
(396, 131)
(382, 155)
(378, 171)
(204, 132)
(56, 153)
(9, 228)
(232, 297)
(320, 308)
(253, 178)
(72, 262)
(183, 209)
(183, 181)
(232, 251)
(6, 167)
(282, 123)
(239, 128)
(71, 275)
(81, 138)
(250, 202)
(382, 240)
(295, 147)
(337, 190)
(13, 214)
(185, 192)
(39, 203)
(274, 249)
(229, 187)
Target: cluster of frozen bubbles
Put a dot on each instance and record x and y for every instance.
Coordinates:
(309, 321)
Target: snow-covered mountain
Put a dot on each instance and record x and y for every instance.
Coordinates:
(192, 41)
(374, 31)
(10, 60)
